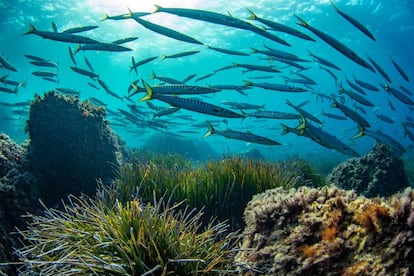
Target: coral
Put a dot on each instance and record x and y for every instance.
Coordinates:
(100, 237)
(71, 145)
(327, 231)
(379, 173)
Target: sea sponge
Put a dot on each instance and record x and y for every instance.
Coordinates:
(327, 231)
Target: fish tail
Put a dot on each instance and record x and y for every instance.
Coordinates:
(157, 8)
(360, 133)
(254, 50)
(150, 91)
(285, 129)
(76, 49)
(3, 79)
(153, 76)
(301, 21)
(105, 17)
(31, 29)
(302, 124)
(335, 7)
(252, 16)
(247, 83)
(209, 131)
(136, 90)
(130, 13)
(163, 57)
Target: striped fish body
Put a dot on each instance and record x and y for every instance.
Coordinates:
(353, 115)
(273, 115)
(191, 104)
(63, 37)
(277, 87)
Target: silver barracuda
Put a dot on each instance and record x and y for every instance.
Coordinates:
(273, 115)
(164, 30)
(244, 136)
(177, 89)
(354, 22)
(178, 55)
(279, 27)
(79, 29)
(276, 86)
(400, 70)
(84, 72)
(380, 70)
(190, 104)
(353, 115)
(336, 44)
(402, 97)
(226, 51)
(139, 63)
(323, 61)
(63, 37)
(221, 19)
(107, 47)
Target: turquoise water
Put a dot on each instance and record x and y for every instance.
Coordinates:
(390, 22)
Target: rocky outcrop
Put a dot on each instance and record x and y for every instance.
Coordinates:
(71, 145)
(379, 173)
(327, 231)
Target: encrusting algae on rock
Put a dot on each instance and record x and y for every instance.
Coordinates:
(327, 231)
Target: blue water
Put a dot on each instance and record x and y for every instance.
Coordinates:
(390, 22)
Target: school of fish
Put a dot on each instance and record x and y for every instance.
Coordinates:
(182, 98)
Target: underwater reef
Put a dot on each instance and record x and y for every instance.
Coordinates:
(327, 231)
(15, 199)
(379, 173)
(71, 146)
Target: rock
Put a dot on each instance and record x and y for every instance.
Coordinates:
(379, 173)
(15, 197)
(71, 146)
(327, 231)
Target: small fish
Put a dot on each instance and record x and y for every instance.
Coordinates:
(242, 106)
(68, 91)
(204, 77)
(226, 51)
(177, 89)
(50, 79)
(164, 79)
(332, 74)
(107, 90)
(273, 115)
(402, 97)
(384, 118)
(357, 97)
(7, 90)
(279, 27)
(400, 70)
(276, 86)
(139, 63)
(356, 87)
(88, 64)
(163, 30)
(304, 112)
(63, 37)
(190, 104)
(124, 40)
(6, 64)
(380, 70)
(93, 85)
(108, 47)
(353, 115)
(79, 29)
(323, 61)
(382, 138)
(166, 111)
(336, 44)
(188, 78)
(84, 72)
(178, 55)
(72, 56)
(45, 64)
(96, 101)
(366, 85)
(253, 67)
(45, 74)
(406, 90)
(221, 19)
(35, 58)
(244, 136)
(354, 22)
